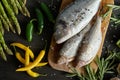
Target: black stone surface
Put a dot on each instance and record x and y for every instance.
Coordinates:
(7, 69)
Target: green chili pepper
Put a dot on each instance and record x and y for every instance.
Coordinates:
(29, 30)
(47, 11)
(40, 20)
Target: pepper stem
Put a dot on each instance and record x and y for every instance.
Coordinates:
(33, 20)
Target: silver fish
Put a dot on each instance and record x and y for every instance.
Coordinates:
(70, 47)
(90, 45)
(74, 18)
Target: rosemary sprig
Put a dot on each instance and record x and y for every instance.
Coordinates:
(105, 65)
(106, 13)
(115, 7)
(111, 7)
(115, 20)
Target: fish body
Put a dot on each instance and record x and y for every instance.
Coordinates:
(90, 45)
(70, 47)
(74, 18)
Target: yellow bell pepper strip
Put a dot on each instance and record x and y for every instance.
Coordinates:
(22, 60)
(35, 62)
(21, 46)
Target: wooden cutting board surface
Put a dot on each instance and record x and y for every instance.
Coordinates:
(54, 48)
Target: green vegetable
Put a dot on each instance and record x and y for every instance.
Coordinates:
(29, 30)
(13, 6)
(40, 20)
(5, 47)
(47, 11)
(12, 15)
(1, 27)
(3, 13)
(4, 22)
(25, 10)
(2, 54)
(24, 1)
(20, 8)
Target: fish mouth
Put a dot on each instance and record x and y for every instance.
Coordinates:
(64, 60)
(62, 34)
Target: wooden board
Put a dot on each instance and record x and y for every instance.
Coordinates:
(54, 48)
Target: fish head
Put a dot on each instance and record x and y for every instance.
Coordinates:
(62, 32)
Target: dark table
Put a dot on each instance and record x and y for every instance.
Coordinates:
(7, 69)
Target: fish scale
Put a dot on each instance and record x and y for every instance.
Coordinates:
(70, 47)
(91, 44)
(75, 17)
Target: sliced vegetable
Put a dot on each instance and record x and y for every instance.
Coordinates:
(40, 20)
(47, 11)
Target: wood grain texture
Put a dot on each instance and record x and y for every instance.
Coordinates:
(54, 48)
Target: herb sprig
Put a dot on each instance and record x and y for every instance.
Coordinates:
(105, 65)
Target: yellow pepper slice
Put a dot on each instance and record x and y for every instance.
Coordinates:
(22, 60)
(35, 62)
(21, 46)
